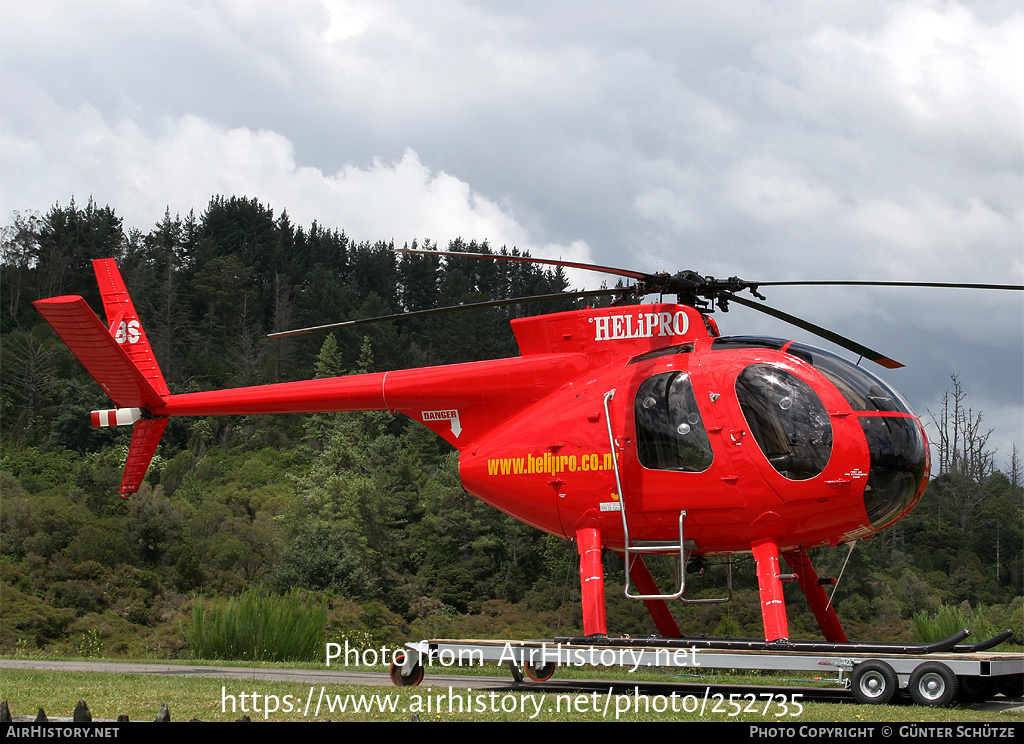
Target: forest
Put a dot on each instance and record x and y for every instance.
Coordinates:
(364, 512)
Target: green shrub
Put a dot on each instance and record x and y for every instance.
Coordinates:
(259, 625)
(949, 620)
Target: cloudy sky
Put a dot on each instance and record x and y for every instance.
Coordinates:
(774, 140)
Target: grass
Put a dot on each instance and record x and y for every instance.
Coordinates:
(140, 697)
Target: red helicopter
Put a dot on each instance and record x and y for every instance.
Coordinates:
(636, 428)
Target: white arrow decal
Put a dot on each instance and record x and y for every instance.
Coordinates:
(450, 415)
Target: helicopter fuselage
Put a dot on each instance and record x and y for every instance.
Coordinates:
(744, 434)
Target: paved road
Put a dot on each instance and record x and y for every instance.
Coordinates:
(341, 676)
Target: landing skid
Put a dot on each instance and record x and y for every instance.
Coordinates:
(992, 642)
(754, 644)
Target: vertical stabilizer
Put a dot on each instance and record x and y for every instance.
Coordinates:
(124, 324)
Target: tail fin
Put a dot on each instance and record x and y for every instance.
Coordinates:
(119, 357)
(124, 324)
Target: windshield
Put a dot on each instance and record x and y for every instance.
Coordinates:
(862, 390)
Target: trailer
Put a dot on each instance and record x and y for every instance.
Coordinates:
(930, 674)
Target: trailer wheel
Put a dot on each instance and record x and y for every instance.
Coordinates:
(542, 673)
(400, 680)
(933, 683)
(974, 689)
(874, 682)
(1012, 685)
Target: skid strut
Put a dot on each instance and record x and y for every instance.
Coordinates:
(588, 543)
(822, 608)
(773, 603)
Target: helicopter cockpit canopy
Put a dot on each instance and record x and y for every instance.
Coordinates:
(792, 427)
(899, 459)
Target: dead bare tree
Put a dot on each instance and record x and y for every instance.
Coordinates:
(965, 462)
(1014, 474)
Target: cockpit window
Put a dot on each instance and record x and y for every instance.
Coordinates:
(787, 420)
(670, 434)
(862, 390)
(664, 351)
(747, 342)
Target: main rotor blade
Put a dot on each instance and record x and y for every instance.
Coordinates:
(942, 285)
(628, 273)
(647, 277)
(453, 308)
(817, 330)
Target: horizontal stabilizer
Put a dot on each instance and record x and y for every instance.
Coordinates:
(98, 351)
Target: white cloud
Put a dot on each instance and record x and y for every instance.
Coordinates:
(189, 160)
